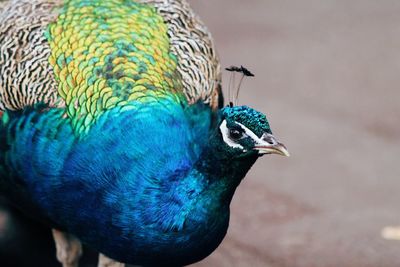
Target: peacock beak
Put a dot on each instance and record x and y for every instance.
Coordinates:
(269, 145)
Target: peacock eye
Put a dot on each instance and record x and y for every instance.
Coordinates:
(235, 134)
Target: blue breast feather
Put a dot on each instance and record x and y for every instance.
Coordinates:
(125, 185)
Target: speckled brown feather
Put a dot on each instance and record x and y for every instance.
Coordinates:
(25, 74)
(192, 43)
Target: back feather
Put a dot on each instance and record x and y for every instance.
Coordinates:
(89, 56)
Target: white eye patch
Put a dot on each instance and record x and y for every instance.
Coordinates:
(225, 136)
(251, 134)
(233, 143)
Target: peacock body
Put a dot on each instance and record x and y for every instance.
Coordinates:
(112, 126)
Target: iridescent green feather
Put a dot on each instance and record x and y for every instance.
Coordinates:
(108, 54)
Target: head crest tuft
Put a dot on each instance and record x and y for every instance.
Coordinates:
(245, 73)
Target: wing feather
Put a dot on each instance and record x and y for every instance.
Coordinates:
(32, 66)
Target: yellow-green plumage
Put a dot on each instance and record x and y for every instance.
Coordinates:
(108, 53)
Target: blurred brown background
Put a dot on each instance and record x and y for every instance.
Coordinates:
(327, 76)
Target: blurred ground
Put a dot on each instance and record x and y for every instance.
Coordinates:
(327, 75)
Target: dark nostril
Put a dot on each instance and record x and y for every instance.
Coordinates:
(269, 139)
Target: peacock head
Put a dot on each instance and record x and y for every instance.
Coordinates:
(246, 132)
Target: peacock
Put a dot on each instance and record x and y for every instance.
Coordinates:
(114, 131)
